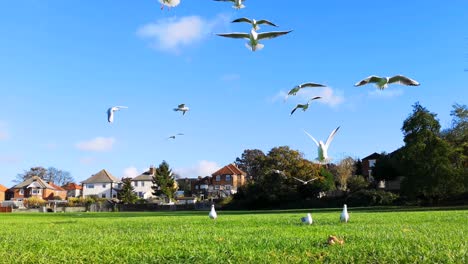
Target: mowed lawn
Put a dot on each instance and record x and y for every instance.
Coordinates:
(235, 237)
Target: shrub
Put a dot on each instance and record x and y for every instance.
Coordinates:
(34, 202)
(371, 198)
(356, 183)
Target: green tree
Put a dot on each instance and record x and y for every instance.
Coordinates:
(387, 167)
(127, 194)
(251, 162)
(356, 183)
(344, 170)
(426, 165)
(164, 182)
(50, 174)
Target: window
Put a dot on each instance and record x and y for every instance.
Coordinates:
(36, 191)
(140, 194)
(103, 185)
(136, 184)
(372, 163)
(196, 187)
(90, 186)
(216, 187)
(21, 192)
(227, 187)
(218, 178)
(103, 195)
(228, 177)
(142, 183)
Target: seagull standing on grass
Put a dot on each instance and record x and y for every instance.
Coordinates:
(383, 82)
(344, 217)
(304, 107)
(254, 37)
(213, 214)
(307, 219)
(255, 24)
(305, 182)
(323, 148)
(169, 3)
(237, 3)
(182, 108)
(110, 112)
(296, 89)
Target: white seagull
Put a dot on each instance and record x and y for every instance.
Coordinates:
(344, 217)
(255, 24)
(169, 3)
(254, 37)
(307, 219)
(237, 3)
(213, 214)
(110, 112)
(323, 148)
(304, 107)
(383, 82)
(305, 182)
(182, 108)
(296, 89)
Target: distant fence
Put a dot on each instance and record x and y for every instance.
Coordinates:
(158, 207)
(5, 209)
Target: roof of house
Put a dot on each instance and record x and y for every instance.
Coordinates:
(72, 186)
(145, 176)
(3, 188)
(230, 169)
(203, 181)
(102, 176)
(374, 155)
(58, 188)
(33, 179)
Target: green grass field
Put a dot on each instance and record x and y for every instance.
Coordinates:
(235, 237)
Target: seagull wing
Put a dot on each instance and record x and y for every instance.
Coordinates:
(180, 134)
(272, 34)
(310, 180)
(119, 107)
(312, 138)
(400, 79)
(299, 180)
(264, 21)
(309, 84)
(242, 19)
(370, 79)
(181, 106)
(294, 110)
(110, 115)
(235, 35)
(330, 137)
(314, 98)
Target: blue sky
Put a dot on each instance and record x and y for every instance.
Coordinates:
(63, 63)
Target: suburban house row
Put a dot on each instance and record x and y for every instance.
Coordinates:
(103, 184)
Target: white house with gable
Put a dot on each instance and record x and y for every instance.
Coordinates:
(142, 184)
(102, 184)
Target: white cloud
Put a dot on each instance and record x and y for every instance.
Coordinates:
(387, 93)
(203, 168)
(329, 96)
(130, 172)
(171, 34)
(98, 144)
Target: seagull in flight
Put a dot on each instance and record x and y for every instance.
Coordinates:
(305, 182)
(169, 3)
(174, 136)
(237, 3)
(255, 24)
(383, 82)
(182, 108)
(304, 107)
(296, 89)
(254, 37)
(110, 112)
(323, 148)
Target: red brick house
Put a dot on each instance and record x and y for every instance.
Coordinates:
(368, 163)
(36, 187)
(228, 178)
(3, 191)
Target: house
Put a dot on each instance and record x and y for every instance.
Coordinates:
(142, 184)
(202, 186)
(186, 185)
(228, 179)
(36, 187)
(368, 163)
(73, 190)
(102, 184)
(58, 192)
(3, 191)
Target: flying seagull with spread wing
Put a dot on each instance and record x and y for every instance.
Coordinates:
(255, 24)
(304, 107)
(296, 89)
(237, 3)
(304, 182)
(323, 148)
(383, 82)
(110, 112)
(169, 3)
(254, 37)
(182, 108)
(174, 136)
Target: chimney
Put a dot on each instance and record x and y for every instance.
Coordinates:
(152, 170)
